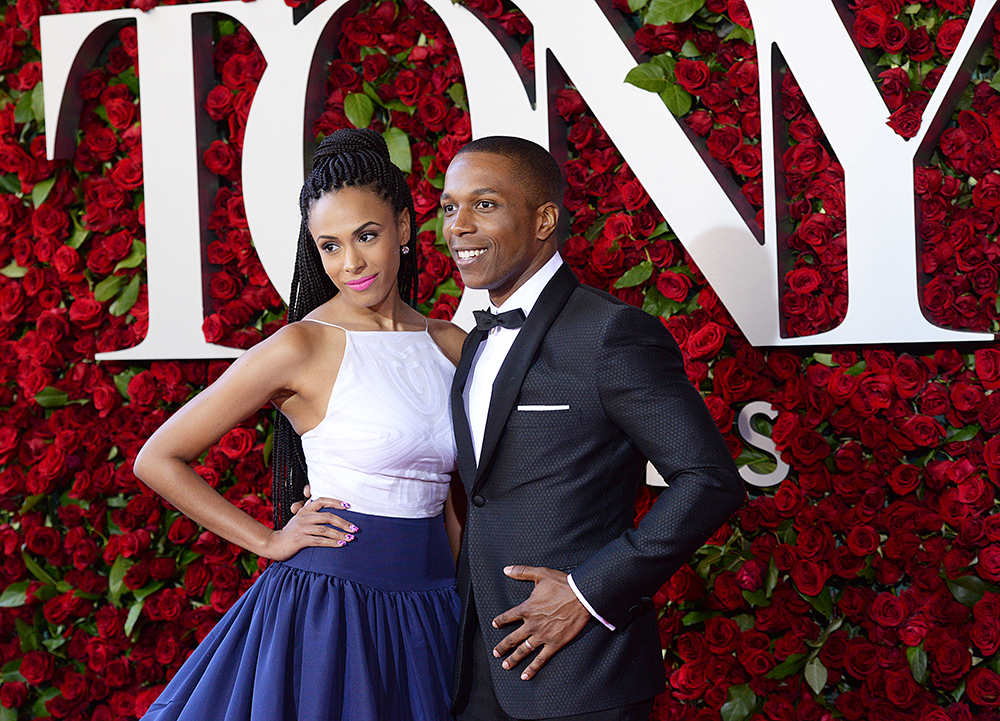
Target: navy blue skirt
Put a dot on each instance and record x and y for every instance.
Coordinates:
(365, 632)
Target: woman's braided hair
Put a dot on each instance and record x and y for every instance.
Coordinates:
(345, 158)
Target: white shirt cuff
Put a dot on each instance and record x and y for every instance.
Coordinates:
(586, 605)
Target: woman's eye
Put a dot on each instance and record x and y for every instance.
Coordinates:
(330, 247)
(366, 237)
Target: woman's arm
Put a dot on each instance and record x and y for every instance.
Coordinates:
(454, 515)
(269, 371)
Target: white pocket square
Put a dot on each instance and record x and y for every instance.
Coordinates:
(543, 408)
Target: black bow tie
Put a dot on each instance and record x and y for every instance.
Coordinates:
(488, 321)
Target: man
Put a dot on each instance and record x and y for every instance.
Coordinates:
(554, 420)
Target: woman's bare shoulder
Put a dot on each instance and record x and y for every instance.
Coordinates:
(448, 336)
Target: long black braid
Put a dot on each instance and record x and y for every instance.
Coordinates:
(344, 158)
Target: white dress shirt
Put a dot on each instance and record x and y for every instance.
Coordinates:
(486, 364)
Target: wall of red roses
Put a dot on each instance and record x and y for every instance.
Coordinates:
(863, 587)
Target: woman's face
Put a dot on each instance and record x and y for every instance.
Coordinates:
(359, 236)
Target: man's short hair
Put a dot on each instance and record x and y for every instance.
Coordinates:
(536, 166)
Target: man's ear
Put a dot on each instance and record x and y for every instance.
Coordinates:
(547, 218)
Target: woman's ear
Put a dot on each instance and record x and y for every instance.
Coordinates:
(404, 227)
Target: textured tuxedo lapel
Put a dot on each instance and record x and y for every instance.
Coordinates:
(508, 382)
(460, 421)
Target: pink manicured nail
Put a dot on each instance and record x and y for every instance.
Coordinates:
(349, 537)
(345, 504)
(341, 543)
(354, 529)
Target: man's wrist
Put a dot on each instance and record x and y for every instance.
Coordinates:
(586, 604)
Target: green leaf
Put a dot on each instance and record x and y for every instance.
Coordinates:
(966, 433)
(38, 103)
(771, 580)
(740, 701)
(10, 184)
(741, 33)
(122, 380)
(8, 714)
(690, 50)
(917, 658)
(661, 12)
(135, 258)
(969, 590)
(359, 109)
(825, 358)
(857, 369)
(35, 569)
(41, 191)
(108, 288)
(648, 77)
(791, 665)
(457, 94)
(53, 643)
(38, 708)
(677, 99)
(13, 270)
(22, 109)
(80, 234)
(116, 578)
(50, 397)
(15, 595)
(666, 62)
(757, 598)
(399, 149)
(148, 590)
(635, 5)
(11, 671)
(27, 634)
(123, 303)
(129, 79)
(635, 275)
(816, 675)
(133, 616)
(30, 502)
(745, 621)
(694, 617)
(823, 603)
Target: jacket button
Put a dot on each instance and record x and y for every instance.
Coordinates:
(478, 501)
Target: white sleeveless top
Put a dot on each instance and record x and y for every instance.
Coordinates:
(386, 445)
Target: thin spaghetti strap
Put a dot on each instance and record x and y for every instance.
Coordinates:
(427, 324)
(323, 322)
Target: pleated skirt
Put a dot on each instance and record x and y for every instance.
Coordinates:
(364, 632)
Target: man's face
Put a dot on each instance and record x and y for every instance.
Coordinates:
(497, 235)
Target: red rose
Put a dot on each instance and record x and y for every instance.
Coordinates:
(121, 112)
(989, 563)
(894, 36)
(747, 161)
(904, 479)
(900, 689)
(706, 341)
(219, 102)
(888, 610)
(808, 156)
(983, 687)
(987, 367)
(722, 634)
(925, 432)
(37, 667)
(918, 45)
(868, 26)
(985, 636)
(948, 36)
(13, 694)
(810, 576)
(409, 86)
(724, 142)
(433, 112)
(221, 159)
(906, 120)
(673, 286)
(692, 75)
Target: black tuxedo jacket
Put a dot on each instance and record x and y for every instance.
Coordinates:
(556, 487)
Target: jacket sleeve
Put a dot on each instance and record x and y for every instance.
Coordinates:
(646, 393)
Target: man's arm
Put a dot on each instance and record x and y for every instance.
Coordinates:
(647, 394)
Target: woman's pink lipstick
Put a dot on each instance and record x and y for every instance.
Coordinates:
(362, 283)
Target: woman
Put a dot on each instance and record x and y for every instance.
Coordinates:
(357, 617)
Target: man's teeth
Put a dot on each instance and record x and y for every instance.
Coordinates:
(469, 254)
